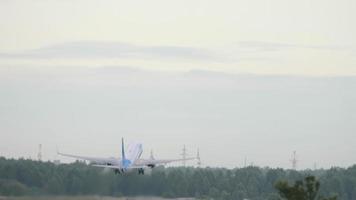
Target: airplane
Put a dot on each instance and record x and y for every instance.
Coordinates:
(128, 161)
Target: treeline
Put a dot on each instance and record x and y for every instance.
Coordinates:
(28, 177)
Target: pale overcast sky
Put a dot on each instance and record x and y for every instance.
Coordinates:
(273, 36)
(255, 79)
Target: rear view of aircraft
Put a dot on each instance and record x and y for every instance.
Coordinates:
(129, 160)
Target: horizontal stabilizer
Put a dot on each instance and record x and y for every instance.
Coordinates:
(118, 167)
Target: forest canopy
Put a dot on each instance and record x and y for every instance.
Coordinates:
(28, 177)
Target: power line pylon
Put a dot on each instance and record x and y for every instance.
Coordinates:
(39, 154)
(294, 160)
(198, 159)
(151, 155)
(184, 155)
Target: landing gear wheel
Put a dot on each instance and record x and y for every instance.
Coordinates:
(141, 171)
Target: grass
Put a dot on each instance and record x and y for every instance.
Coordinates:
(84, 198)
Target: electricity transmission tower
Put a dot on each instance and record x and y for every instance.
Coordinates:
(39, 154)
(184, 155)
(294, 160)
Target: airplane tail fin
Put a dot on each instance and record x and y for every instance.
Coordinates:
(122, 149)
(125, 163)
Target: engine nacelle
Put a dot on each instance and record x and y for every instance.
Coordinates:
(151, 165)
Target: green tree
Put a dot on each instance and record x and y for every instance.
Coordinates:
(28, 177)
(306, 189)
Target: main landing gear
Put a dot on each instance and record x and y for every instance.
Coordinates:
(141, 171)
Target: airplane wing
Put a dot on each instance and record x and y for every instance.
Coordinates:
(91, 159)
(148, 162)
(119, 167)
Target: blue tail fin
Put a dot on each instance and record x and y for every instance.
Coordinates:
(125, 163)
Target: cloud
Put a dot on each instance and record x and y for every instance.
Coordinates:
(245, 56)
(100, 49)
(275, 46)
(95, 49)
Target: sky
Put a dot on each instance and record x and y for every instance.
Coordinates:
(268, 37)
(237, 79)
